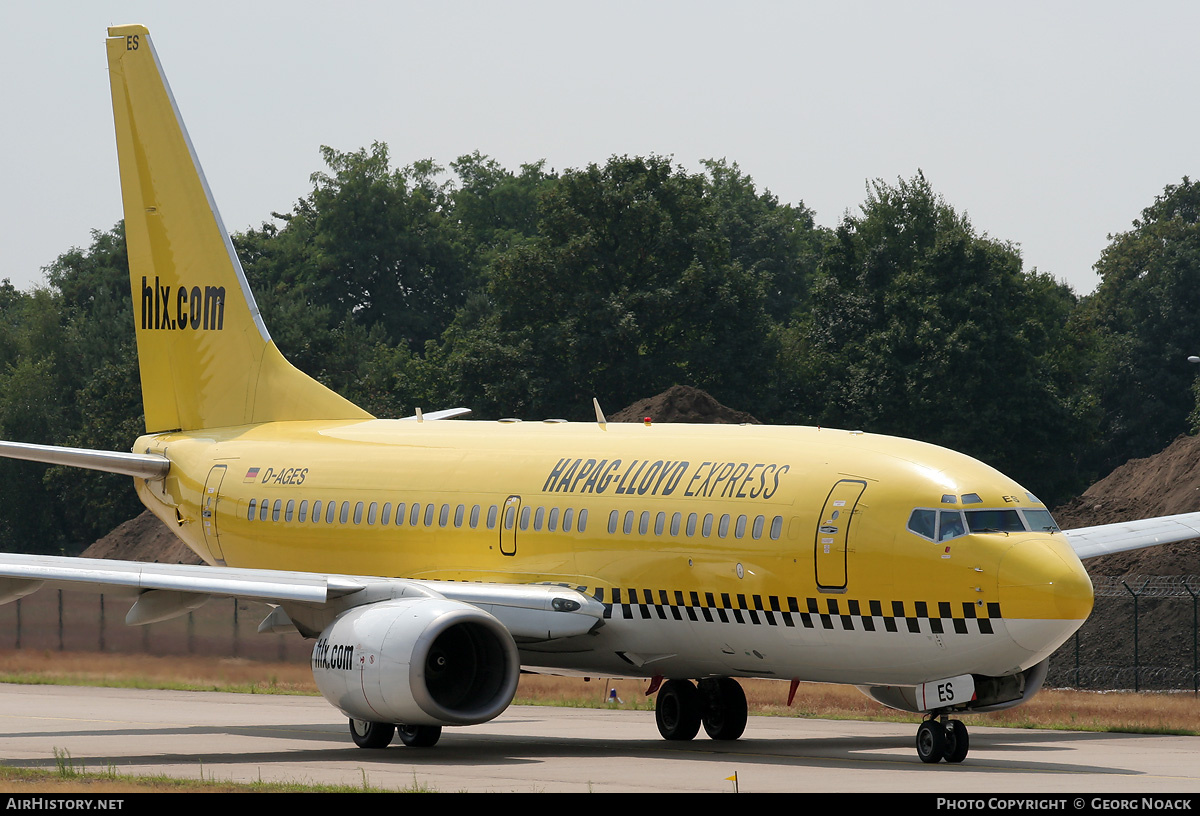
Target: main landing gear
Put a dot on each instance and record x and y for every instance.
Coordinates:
(368, 734)
(718, 704)
(939, 739)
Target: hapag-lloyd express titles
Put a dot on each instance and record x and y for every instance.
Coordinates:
(662, 477)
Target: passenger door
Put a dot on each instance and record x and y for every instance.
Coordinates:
(833, 532)
(208, 510)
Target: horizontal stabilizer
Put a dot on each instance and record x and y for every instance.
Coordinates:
(142, 466)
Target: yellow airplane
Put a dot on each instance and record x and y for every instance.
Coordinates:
(431, 561)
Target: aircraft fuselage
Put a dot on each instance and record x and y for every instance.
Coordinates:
(717, 550)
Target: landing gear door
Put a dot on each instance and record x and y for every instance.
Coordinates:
(833, 532)
(208, 510)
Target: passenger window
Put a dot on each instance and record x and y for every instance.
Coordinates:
(303, 511)
(723, 527)
(289, 510)
(552, 521)
(628, 528)
(691, 524)
(613, 518)
(316, 516)
(372, 512)
(385, 516)
(582, 520)
(414, 517)
(430, 509)
(491, 517)
(330, 511)
(660, 522)
(474, 516)
(676, 520)
(444, 516)
(250, 512)
(740, 530)
(644, 522)
(706, 530)
(263, 509)
(459, 512)
(275, 510)
(510, 517)
(525, 517)
(358, 513)
(776, 527)
(345, 514)
(538, 518)
(567, 519)
(400, 514)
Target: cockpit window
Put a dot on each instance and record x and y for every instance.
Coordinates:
(944, 525)
(950, 525)
(936, 525)
(923, 523)
(1040, 521)
(995, 521)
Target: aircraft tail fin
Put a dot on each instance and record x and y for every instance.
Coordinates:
(206, 358)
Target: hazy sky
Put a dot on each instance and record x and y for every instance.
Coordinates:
(1050, 124)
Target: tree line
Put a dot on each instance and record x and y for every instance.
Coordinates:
(526, 293)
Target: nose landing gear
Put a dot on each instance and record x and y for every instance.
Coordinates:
(943, 738)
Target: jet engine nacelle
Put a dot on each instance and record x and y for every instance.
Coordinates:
(418, 661)
(987, 693)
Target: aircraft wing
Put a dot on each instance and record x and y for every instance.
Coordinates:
(1104, 539)
(528, 611)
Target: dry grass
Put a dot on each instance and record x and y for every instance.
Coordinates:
(1174, 713)
(145, 671)
(1150, 712)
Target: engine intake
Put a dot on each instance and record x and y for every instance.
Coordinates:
(419, 661)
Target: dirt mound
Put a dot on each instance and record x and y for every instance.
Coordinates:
(682, 403)
(1159, 637)
(1159, 485)
(144, 538)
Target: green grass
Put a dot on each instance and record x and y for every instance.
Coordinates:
(70, 773)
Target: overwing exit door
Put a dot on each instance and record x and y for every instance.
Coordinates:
(508, 526)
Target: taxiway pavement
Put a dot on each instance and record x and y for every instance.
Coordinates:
(532, 748)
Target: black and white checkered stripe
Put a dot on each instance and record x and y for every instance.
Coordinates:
(844, 614)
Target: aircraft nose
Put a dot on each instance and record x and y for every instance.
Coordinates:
(1045, 593)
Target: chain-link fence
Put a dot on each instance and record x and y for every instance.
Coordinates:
(1142, 635)
(54, 620)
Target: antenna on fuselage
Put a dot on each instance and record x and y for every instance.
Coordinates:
(600, 420)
